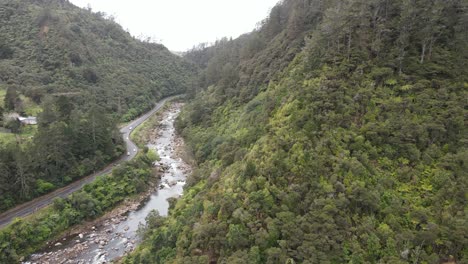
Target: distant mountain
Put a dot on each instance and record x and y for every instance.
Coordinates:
(53, 47)
(334, 133)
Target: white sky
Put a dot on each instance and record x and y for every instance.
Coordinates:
(181, 24)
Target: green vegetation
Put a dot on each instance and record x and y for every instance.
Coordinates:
(25, 135)
(334, 133)
(69, 143)
(2, 97)
(55, 48)
(24, 236)
(7, 138)
(153, 155)
(30, 108)
(80, 74)
(142, 134)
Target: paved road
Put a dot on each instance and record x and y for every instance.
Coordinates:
(40, 202)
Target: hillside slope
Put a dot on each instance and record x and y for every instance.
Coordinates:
(54, 47)
(82, 75)
(334, 133)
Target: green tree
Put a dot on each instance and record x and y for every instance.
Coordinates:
(11, 98)
(14, 125)
(24, 177)
(6, 52)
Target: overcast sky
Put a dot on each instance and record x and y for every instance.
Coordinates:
(181, 24)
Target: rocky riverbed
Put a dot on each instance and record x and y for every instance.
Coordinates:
(115, 234)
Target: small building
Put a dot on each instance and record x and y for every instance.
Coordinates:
(30, 120)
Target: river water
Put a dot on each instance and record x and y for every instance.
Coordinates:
(117, 236)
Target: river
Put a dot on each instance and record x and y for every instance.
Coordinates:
(114, 236)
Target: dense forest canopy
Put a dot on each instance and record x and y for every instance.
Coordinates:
(335, 132)
(81, 74)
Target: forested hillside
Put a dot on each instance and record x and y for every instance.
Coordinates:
(54, 47)
(335, 132)
(81, 74)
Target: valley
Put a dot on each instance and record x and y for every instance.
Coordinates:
(332, 132)
(116, 233)
(43, 201)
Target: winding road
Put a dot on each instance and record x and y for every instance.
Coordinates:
(32, 206)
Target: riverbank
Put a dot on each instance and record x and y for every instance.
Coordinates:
(25, 236)
(82, 201)
(31, 207)
(115, 234)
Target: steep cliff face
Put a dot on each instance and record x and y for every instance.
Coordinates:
(334, 133)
